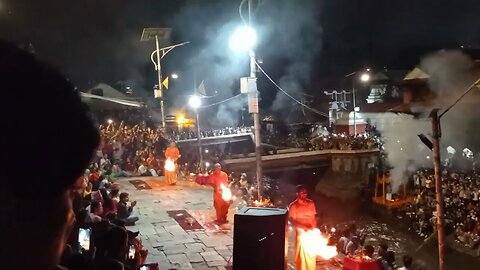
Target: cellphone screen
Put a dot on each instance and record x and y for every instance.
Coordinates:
(84, 238)
(131, 252)
(145, 267)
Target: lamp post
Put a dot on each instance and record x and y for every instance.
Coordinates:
(365, 77)
(195, 102)
(157, 34)
(244, 39)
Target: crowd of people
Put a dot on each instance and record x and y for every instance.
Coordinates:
(192, 134)
(351, 242)
(462, 206)
(344, 142)
(130, 150)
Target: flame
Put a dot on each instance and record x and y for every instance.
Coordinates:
(226, 193)
(169, 165)
(261, 203)
(315, 244)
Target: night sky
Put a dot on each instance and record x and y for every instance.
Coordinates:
(301, 41)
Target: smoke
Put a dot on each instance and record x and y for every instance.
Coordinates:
(228, 113)
(450, 74)
(287, 31)
(296, 33)
(404, 151)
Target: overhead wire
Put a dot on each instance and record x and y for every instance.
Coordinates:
(220, 102)
(288, 95)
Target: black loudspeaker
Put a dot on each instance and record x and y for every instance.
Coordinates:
(260, 239)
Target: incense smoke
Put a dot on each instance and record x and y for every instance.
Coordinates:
(450, 74)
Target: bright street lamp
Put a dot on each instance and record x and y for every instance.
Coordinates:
(174, 76)
(243, 39)
(195, 102)
(365, 77)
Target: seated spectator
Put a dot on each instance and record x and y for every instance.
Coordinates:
(115, 195)
(407, 263)
(96, 211)
(368, 251)
(124, 212)
(109, 206)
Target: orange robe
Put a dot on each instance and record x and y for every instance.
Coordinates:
(172, 153)
(220, 205)
(303, 216)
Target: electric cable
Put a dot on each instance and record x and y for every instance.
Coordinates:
(287, 94)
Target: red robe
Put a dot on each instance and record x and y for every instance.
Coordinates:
(221, 206)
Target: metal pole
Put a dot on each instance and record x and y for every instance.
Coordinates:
(438, 188)
(160, 86)
(256, 117)
(354, 111)
(199, 135)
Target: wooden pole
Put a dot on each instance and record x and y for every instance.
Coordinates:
(436, 133)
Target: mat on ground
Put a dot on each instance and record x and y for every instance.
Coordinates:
(140, 184)
(185, 220)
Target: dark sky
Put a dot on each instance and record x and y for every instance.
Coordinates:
(300, 40)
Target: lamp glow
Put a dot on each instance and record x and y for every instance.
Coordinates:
(243, 39)
(174, 76)
(194, 102)
(365, 77)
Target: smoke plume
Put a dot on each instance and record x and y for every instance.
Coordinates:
(450, 74)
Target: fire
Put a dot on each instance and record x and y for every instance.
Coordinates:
(315, 244)
(226, 193)
(169, 165)
(258, 203)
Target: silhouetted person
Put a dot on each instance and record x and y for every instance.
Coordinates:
(45, 128)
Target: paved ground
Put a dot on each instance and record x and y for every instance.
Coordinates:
(168, 244)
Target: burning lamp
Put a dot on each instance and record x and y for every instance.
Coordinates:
(180, 119)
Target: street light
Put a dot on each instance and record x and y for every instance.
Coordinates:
(174, 76)
(244, 39)
(364, 77)
(159, 34)
(195, 102)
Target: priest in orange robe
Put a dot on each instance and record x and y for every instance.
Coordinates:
(217, 178)
(173, 154)
(303, 216)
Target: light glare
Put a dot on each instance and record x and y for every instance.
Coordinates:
(243, 39)
(194, 102)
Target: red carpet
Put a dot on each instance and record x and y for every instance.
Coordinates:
(185, 220)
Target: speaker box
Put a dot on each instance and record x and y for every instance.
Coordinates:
(260, 239)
